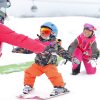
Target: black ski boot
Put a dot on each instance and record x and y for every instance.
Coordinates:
(77, 70)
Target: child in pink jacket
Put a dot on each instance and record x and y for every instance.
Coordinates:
(84, 48)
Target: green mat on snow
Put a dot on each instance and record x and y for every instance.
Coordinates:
(6, 69)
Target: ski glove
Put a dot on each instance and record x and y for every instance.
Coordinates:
(75, 61)
(93, 62)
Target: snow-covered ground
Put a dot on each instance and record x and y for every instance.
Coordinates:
(82, 86)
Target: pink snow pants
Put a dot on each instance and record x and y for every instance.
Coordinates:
(79, 55)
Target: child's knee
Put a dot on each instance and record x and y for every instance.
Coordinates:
(91, 70)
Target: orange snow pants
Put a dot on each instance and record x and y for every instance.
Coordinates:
(36, 70)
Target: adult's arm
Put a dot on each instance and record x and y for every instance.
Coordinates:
(11, 37)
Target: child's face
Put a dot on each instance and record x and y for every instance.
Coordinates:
(87, 32)
(45, 32)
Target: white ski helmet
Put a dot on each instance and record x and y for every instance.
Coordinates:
(4, 4)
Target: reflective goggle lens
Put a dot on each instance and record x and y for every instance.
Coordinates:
(45, 31)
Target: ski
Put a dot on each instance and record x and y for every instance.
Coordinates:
(43, 98)
(21, 96)
(50, 97)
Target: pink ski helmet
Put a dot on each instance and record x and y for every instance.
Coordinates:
(89, 27)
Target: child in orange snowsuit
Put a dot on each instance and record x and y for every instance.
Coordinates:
(46, 62)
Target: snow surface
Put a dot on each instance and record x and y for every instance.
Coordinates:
(82, 86)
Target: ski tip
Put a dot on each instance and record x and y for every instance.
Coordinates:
(21, 96)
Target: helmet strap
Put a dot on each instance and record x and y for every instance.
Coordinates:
(52, 37)
(91, 35)
(41, 39)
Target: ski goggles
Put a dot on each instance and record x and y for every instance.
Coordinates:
(45, 31)
(89, 27)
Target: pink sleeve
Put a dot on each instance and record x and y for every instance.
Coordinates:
(9, 36)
